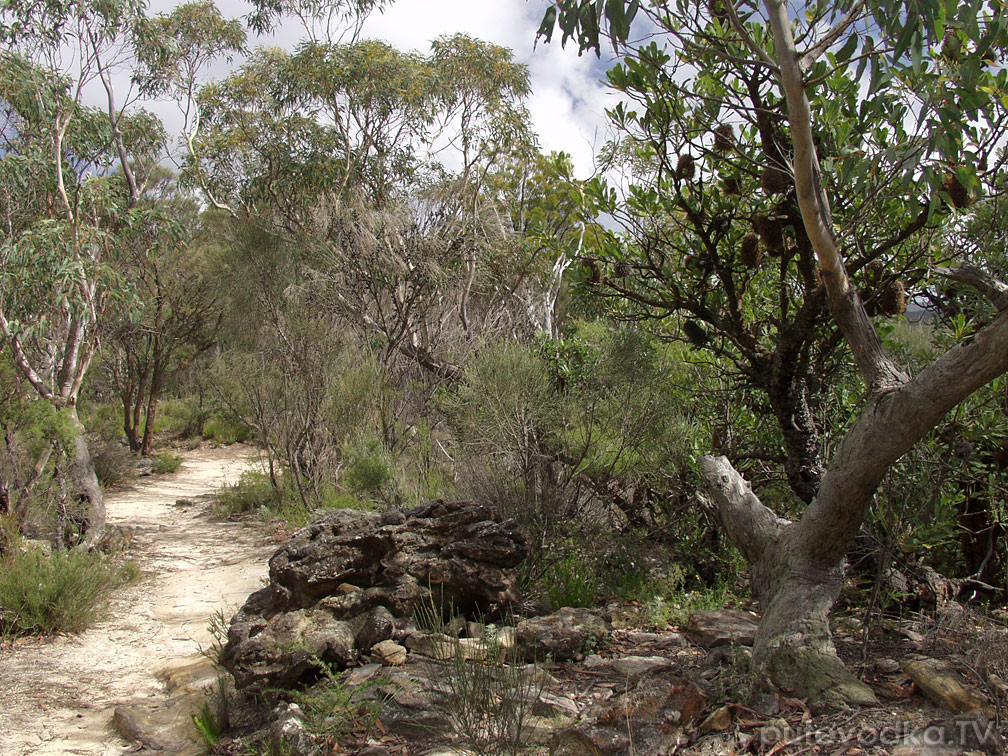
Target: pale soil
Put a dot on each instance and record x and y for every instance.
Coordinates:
(58, 696)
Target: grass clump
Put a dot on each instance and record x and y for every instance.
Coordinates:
(42, 594)
(166, 463)
(254, 492)
(225, 432)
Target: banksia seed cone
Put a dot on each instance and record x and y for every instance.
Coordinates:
(695, 333)
(771, 233)
(751, 255)
(957, 192)
(732, 186)
(892, 300)
(724, 137)
(774, 180)
(686, 167)
(621, 269)
(594, 274)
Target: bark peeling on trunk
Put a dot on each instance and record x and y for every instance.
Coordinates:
(86, 488)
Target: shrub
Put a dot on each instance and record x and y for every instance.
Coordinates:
(63, 592)
(368, 470)
(166, 463)
(113, 463)
(571, 581)
(225, 431)
(253, 492)
(183, 418)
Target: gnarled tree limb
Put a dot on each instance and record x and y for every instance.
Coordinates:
(992, 288)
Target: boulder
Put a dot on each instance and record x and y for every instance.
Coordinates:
(378, 626)
(287, 648)
(562, 635)
(338, 586)
(723, 627)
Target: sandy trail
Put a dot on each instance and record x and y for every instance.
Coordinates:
(58, 696)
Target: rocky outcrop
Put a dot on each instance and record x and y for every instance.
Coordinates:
(561, 636)
(352, 579)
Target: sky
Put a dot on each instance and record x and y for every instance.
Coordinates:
(568, 100)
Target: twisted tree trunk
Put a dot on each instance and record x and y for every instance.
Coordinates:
(86, 489)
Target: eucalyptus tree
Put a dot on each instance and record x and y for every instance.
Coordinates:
(68, 198)
(793, 166)
(341, 147)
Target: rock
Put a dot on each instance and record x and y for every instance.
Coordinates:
(719, 720)
(733, 656)
(441, 647)
(288, 734)
(647, 720)
(656, 639)
(553, 706)
(378, 626)
(723, 627)
(562, 635)
(628, 669)
(388, 653)
(887, 666)
(136, 726)
(349, 563)
(285, 649)
(936, 680)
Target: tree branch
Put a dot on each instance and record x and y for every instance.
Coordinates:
(874, 364)
(992, 288)
(830, 38)
(750, 525)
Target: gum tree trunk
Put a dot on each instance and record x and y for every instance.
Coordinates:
(86, 489)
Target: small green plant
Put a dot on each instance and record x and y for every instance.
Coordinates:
(571, 581)
(368, 470)
(43, 594)
(490, 693)
(166, 463)
(208, 725)
(333, 709)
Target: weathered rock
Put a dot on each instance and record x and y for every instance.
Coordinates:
(378, 626)
(561, 635)
(137, 726)
(628, 668)
(288, 734)
(723, 627)
(286, 648)
(718, 720)
(939, 682)
(645, 721)
(350, 563)
(388, 653)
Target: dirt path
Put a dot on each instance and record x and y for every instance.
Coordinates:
(58, 697)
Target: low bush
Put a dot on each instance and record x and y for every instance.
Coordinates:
(226, 432)
(253, 492)
(166, 463)
(42, 594)
(113, 463)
